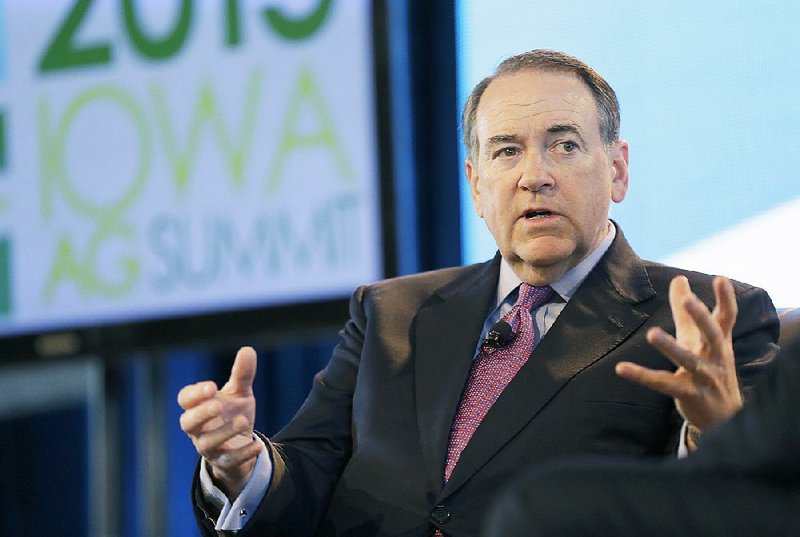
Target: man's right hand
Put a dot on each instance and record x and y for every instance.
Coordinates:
(220, 423)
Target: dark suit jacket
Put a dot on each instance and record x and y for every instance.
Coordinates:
(744, 480)
(365, 453)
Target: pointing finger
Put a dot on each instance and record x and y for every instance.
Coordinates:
(210, 443)
(194, 394)
(661, 381)
(195, 419)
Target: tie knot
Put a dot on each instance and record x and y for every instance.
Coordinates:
(533, 296)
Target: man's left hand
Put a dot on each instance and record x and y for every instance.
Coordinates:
(705, 387)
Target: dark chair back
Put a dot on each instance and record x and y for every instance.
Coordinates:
(790, 325)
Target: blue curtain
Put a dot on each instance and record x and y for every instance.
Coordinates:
(43, 482)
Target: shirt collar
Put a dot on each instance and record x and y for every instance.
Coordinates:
(567, 284)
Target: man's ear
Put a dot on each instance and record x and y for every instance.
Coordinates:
(619, 169)
(472, 177)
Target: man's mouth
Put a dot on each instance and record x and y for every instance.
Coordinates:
(533, 215)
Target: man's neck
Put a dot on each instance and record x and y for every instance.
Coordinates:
(548, 274)
(568, 281)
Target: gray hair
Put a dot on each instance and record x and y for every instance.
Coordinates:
(545, 60)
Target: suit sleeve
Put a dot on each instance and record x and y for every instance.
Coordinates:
(310, 453)
(754, 335)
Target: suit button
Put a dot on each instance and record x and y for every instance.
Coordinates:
(440, 514)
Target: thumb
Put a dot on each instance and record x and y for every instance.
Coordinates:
(243, 371)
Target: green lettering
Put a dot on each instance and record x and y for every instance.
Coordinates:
(233, 23)
(5, 276)
(207, 111)
(68, 267)
(63, 52)
(307, 93)
(296, 29)
(52, 146)
(128, 266)
(157, 48)
(65, 267)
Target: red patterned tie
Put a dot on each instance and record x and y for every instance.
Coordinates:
(493, 369)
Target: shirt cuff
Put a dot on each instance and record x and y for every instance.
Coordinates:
(234, 516)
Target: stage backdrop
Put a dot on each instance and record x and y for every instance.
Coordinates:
(161, 158)
(708, 92)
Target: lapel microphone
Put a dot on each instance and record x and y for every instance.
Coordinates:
(498, 337)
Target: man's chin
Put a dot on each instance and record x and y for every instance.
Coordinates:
(546, 252)
(542, 268)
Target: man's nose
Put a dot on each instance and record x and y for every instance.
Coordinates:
(535, 174)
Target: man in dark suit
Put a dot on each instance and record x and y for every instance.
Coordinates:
(366, 454)
(743, 480)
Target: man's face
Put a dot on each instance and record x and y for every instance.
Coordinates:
(543, 178)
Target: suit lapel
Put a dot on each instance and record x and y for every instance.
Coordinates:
(446, 334)
(600, 316)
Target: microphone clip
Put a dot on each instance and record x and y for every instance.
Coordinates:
(501, 335)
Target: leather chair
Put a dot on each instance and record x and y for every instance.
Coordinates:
(790, 324)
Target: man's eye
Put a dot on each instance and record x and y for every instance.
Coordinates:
(507, 152)
(569, 146)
